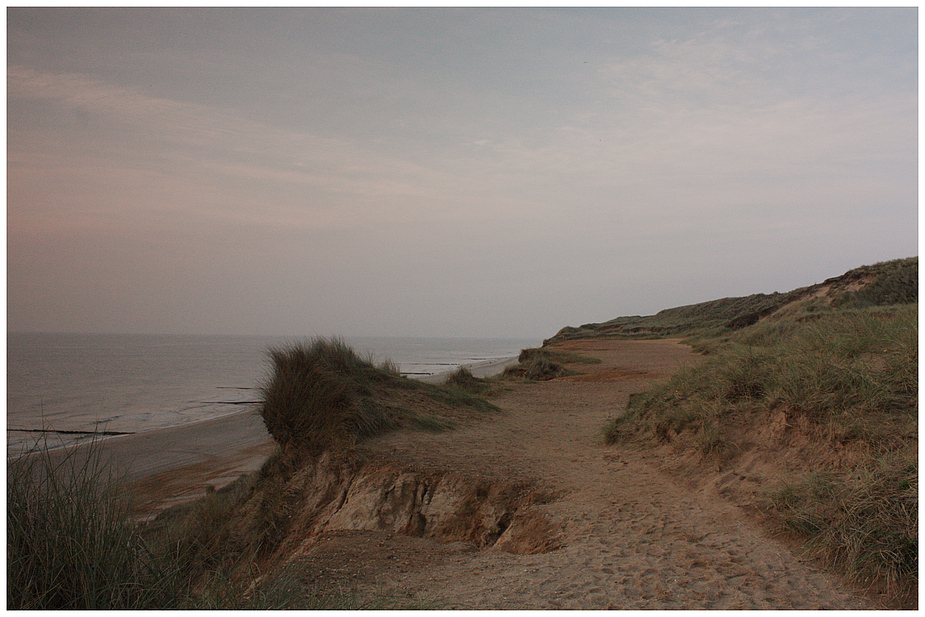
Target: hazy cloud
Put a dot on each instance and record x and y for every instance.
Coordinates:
(454, 172)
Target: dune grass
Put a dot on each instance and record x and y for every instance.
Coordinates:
(70, 544)
(543, 364)
(73, 545)
(847, 381)
(309, 401)
(865, 521)
(463, 379)
(843, 370)
(322, 396)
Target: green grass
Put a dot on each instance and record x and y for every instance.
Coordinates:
(866, 522)
(849, 379)
(895, 282)
(844, 366)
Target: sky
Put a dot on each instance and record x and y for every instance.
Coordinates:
(446, 172)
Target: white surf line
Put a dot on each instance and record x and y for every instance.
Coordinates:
(487, 368)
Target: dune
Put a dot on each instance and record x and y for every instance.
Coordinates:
(613, 530)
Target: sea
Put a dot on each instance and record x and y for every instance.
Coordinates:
(66, 388)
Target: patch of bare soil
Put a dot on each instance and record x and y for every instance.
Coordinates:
(617, 531)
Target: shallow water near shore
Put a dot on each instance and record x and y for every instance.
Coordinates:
(62, 388)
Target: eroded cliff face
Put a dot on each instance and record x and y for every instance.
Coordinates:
(330, 495)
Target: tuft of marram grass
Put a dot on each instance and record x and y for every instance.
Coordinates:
(866, 523)
(70, 544)
(321, 396)
(463, 379)
(309, 401)
(304, 405)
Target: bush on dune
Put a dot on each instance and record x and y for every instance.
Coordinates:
(310, 400)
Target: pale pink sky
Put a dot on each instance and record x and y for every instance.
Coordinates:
(464, 172)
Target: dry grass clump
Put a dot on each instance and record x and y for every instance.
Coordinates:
(845, 381)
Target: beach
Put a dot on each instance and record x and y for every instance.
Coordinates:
(623, 531)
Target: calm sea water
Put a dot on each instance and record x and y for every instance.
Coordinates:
(131, 383)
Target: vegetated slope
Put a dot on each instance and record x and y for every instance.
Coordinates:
(320, 403)
(880, 284)
(810, 414)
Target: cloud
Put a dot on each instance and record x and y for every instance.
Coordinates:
(355, 177)
(201, 142)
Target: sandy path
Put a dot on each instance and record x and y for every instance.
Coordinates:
(632, 538)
